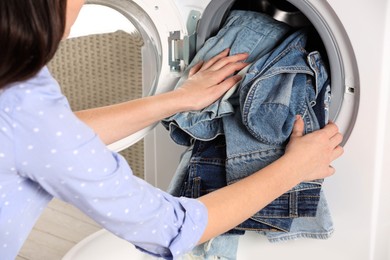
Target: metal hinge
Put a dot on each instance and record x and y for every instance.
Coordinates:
(182, 50)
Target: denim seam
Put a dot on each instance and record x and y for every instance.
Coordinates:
(265, 152)
(280, 56)
(260, 74)
(275, 229)
(314, 67)
(209, 161)
(302, 215)
(262, 229)
(191, 134)
(276, 59)
(196, 187)
(296, 235)
(285, 70)
(304, 189)
(293, 204)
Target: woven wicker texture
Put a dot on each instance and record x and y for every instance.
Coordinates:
(99, 70)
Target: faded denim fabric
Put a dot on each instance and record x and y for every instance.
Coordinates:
(244, 31)
(321, 108)
(281, 84)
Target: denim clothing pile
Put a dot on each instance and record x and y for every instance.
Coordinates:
(246, 131)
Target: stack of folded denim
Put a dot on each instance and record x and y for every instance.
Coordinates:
(249, 127)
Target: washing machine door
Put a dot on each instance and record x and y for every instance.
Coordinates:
(124, 50)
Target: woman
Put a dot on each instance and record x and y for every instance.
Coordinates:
(47, 150)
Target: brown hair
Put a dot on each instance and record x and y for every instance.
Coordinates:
(30, 32)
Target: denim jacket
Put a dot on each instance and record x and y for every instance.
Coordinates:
(282, 84)
(243, 31)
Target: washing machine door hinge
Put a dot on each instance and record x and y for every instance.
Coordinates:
(182, 49)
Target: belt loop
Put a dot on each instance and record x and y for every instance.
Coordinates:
(311, 59)
(293, 204)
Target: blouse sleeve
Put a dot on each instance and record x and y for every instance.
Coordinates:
(68, 160)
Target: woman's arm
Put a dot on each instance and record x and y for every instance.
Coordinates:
(307, 158)
(206, 83)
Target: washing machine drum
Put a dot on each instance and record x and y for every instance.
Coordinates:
(329, 35)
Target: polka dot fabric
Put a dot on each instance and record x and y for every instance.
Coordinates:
(46, 151)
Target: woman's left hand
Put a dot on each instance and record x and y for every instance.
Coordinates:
(209, 80)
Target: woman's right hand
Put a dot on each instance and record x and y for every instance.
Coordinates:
(311, 155)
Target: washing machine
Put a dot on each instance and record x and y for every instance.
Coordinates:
(355, 35)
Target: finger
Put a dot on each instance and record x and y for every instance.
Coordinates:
(336, 139)
(229, 60)
(228, 70)
(331, 129)
(331, 170)
(228, 83)
(195, 68)
(298, 127)
(337, 152)
(215, 59)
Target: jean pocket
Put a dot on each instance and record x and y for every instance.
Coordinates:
(272, 102)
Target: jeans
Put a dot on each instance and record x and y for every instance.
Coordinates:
(244, 31)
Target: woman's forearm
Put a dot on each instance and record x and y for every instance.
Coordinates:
(244, 198)
(115, 122)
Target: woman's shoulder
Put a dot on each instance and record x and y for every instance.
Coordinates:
(32, 92)
(43, 81)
